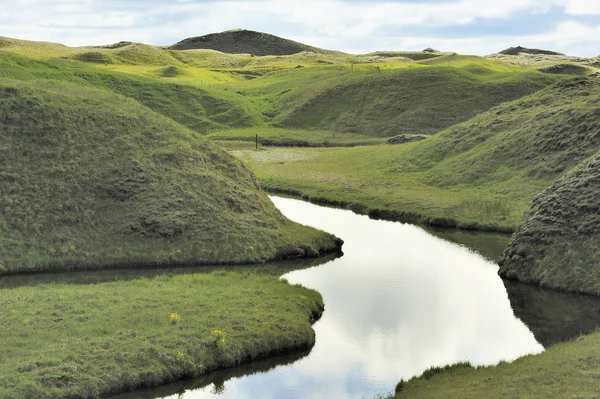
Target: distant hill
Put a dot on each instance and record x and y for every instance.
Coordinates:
(524, 50)
(245, 42)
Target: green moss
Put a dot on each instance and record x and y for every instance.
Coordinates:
(63, 340)
(557, 244)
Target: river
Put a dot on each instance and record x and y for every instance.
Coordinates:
(400, 300)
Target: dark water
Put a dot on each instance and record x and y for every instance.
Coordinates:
(399, 301)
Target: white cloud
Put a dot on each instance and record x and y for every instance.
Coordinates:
(581, 7)
(355, 26)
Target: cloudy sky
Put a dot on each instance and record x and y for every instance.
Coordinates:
(356, 26)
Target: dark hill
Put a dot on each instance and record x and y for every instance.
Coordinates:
(524, 50)
(245, 42)
(557, 245)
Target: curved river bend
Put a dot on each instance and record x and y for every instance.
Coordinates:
(399, 301)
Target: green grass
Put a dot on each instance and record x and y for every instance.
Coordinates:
(423, 99)
(565, 370)
(278, 137)
(480, 174)
(93, 179)
(89, 340)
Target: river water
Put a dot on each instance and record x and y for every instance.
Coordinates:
(399, 301)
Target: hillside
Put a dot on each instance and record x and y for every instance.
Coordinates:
(421, 100)
(199, 108)
(93, 179)
(241, 41)
(557, 244)
(480, 174)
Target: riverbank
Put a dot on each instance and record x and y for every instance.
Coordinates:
(360, 179)
(88, 340)
(392, 215)
(569, 369)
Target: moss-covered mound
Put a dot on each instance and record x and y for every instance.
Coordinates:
(558, 244)
(89, 179)
(568, 69)
(524, 50)
(245, 42)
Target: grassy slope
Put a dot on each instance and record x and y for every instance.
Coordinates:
(201, 109)
(424, 99)
(72, 340)
(481, 172)
(90, 178)
(565, 370)
(557, 244)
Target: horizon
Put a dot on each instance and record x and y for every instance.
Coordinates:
(571, 27)
(242, 29)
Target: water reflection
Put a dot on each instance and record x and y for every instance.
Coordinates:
(398, 302)
(103, 276)
(489, 245)
(553, 316)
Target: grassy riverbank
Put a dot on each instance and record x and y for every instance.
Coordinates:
(569, 369)
(480, 174)
(86, 340)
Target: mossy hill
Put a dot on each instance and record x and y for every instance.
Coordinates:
(91, 179)
(524, 50)
(558, 243)
(241, 41)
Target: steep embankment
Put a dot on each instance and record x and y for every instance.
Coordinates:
(423, 100)
(241, 41)
(93, 179)
(558, 243)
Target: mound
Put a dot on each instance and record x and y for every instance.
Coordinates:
(170, 72)
(143, 54)
(557, 244)
(245, 42)
(524, 50)
(93, 56)
(411, 55)
(92, 179)
(567, 69)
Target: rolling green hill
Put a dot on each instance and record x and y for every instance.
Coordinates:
(421, 100)
(94, 179)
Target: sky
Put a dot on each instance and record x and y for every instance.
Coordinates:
(355, 26)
